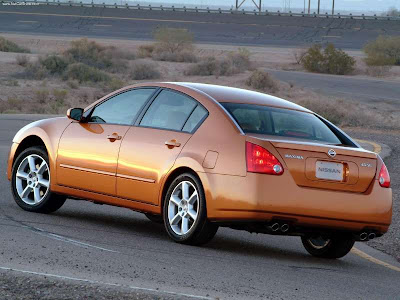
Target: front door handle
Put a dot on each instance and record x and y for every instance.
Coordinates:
(113, 137)
(172, 144)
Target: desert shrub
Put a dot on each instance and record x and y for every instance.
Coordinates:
(42, 96)
(180, 56)
(22, 60)
(8, 46)
(143, 70)
(10, 82)
(35, 71)
(85, 73)
(145, 51)
(378, 71)
(240, 59)
(330, 60)
(60, 95)
(73, 84)
(173, 39)
(55, 64)
(11, 105)
(384, 51)
(261, 80)
(96, 55)
(206, 67)
(298, 55)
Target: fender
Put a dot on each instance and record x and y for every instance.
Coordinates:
(49, 131)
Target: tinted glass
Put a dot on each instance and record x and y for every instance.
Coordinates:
(169, 110)
(281, 122)
(195, 118)
(122, 108)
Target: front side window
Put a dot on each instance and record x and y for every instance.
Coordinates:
(281, 122)
(169, 110)
(121, 109)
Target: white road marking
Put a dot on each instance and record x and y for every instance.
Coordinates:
(105, 283)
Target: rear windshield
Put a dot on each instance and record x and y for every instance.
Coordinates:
(281, 122)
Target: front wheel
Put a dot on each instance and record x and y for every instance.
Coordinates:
(328, 247)
(30, 183)
(185, 213)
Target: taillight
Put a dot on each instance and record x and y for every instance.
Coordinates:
(260, 160)
(384, 178)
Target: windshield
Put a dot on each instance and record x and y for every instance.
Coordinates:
(281, 122)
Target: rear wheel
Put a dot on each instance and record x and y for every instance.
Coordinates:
(30, 183)
(185, 214)
(328, 247)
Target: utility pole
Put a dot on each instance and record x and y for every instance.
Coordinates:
(333, 7)
(309, 6)
(319, 4)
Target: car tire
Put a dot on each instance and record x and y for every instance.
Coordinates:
(30, 182)
(155, 218)
(185, 212)
(332, 247)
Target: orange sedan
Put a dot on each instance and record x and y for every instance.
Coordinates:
(197, 157)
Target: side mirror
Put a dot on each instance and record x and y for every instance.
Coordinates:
(75, 114)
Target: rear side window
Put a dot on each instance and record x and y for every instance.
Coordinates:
(170, 110)
(195, 119)
(281, 122)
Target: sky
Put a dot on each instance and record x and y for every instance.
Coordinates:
(345, 5)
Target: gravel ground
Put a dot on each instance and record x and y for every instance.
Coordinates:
(390, 242)
(35, 287)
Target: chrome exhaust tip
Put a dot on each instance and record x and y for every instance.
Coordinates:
(371, 236)
(285, 228)
(275, 227)
(363, 236)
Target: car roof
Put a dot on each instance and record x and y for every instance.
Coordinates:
(236, 95)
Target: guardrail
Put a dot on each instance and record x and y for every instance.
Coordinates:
(199, 10)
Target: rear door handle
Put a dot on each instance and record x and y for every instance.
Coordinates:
(172, 144)
(113, 137)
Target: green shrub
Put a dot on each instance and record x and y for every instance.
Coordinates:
(85, 73)
(173, 39)
(384, 51)
(330, 60)
(60, 96)
(55, 64)
(96, 55)
(241, 59)
(35, 71)
(143, 71)
(181, 56)
(261, 80)
(42, 96)
(8, 46)
(212, 66)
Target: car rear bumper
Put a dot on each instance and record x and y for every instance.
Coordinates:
(258, 197)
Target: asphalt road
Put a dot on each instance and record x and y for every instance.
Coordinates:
(207, 28)
(102, 246)
(361, 89)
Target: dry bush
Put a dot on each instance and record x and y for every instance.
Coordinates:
(85, 73)
(11, 105)
(145, 51)
(144, 70)
(60, 95)
(22, 60)
(42, 96)
(298, 55)
(8, 46)
(378, 71)
(173, 39)
(181, 56)
(261, 80)
(73, 84)
(384, 51)
(240, 59)
(114, 84)
(330, 60)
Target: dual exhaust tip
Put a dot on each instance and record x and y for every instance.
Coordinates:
(365, 236)
(280, 227)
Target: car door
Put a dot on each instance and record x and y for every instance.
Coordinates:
(150, 149)
(88, 151)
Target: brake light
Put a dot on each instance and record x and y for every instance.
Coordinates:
(260, 160)
(384, 178)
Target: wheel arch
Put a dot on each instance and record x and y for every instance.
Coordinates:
(27, 142)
